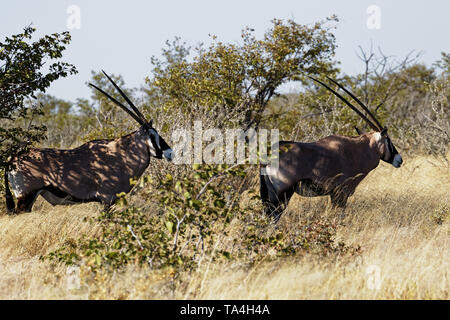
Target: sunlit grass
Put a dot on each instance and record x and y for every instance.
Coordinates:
(399, 217)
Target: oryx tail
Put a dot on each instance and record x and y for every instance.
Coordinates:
(10, 205)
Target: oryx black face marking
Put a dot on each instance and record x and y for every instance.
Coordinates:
(159, 146)
(394, 157)
(96, 171)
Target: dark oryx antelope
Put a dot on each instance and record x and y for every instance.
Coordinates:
(332, 166)
(96, 171)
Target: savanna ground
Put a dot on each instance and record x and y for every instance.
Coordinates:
(400, 218)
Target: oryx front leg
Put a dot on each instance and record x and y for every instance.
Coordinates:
(339, 202)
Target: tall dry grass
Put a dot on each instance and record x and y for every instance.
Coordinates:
(399, 217)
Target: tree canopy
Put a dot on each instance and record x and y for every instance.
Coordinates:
(22, 76)
(235, 82)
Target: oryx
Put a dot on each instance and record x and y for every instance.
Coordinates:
(98, 170)
(332, 166)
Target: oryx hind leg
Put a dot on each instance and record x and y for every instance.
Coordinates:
(268, 194)
(274, 202)
(283, 201)
(25, 203)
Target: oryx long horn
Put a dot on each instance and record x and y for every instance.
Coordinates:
(347, 103)
(135, 109)
(380, 127)
(135, 117)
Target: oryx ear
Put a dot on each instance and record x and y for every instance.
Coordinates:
(151, 123)
(360, 132)
(384, 131)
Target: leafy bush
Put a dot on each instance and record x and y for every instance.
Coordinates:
(192, 218)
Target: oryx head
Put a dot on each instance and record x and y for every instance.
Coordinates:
(386, 148)
(156, 144)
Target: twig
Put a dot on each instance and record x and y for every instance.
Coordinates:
(179, 222)
(149, 260)
(214, 178)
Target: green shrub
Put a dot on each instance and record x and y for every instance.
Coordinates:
(200, 215)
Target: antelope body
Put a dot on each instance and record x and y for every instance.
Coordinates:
(332, 166)
(98, 170)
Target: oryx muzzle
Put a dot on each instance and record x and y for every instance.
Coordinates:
(332, 166)
(98, 170)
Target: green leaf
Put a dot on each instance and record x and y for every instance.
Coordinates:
(169, 226)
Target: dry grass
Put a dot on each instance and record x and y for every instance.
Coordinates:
(400, 218)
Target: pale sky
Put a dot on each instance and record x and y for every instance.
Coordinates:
(121, 36)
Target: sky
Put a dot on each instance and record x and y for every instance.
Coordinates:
(121, 36)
